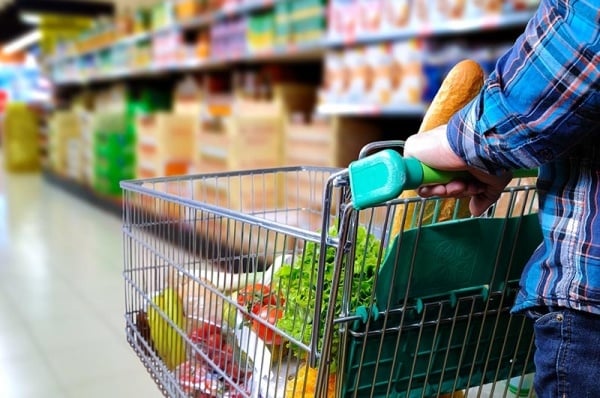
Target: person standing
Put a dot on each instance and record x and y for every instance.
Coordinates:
(540, 107)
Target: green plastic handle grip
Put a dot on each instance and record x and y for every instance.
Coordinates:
(384, 175)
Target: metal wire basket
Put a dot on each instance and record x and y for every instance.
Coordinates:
(269, 283)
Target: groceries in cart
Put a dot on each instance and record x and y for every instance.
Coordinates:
(275, 302)
(320, 282)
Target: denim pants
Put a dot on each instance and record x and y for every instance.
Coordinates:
(567, 356)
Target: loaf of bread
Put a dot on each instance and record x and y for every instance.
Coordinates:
(462, 83)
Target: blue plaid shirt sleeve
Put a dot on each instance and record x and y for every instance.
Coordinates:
(543, 97)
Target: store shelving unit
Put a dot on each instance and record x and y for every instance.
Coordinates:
(313, 51)
(488, 22)
(96, 67)
(408, 110)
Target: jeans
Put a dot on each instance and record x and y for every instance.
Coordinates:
(567, 355)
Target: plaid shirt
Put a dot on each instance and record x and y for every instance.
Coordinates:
(541, 107)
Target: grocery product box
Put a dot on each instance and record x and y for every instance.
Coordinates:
(64, 127)
(378, 74)
(321, 142)
(166, 144)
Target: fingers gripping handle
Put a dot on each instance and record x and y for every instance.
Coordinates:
(384, 175)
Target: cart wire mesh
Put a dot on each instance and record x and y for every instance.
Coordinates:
(267, 283)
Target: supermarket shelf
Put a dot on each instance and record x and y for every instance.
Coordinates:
(417, 110)
(312, 51)
(226, 12)
(112, 205)
(292, 52)
(124, 41)
(486, 22)
(150, 71)
(192, 23)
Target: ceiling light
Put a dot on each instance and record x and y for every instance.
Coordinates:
(31, 19)
(22, 42)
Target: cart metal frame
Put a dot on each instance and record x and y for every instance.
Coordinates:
(215, 233)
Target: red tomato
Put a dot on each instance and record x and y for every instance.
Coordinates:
(271, 314)
(255, 296)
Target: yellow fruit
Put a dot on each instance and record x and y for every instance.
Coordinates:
(167, 340)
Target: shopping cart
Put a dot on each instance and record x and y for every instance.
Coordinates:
(272, 283)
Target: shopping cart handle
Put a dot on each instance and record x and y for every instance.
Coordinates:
(384, 175)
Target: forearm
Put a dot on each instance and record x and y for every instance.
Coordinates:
(542, 99)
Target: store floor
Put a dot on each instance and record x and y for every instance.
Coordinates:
(61, 297)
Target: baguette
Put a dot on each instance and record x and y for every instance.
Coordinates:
(461, 85)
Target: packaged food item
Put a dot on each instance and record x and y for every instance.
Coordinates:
(480, 8)
(409, 81)
(397, 14)
(422, 12)
(343, 19)
(335, 77)
(197, 379)
(221, 347)
(186, 9)
(446, 10)
(521, 5)
(382, 65)
(360, 75)
(203, 46)
(370, 16)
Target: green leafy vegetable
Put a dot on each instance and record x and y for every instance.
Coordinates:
(298, 283)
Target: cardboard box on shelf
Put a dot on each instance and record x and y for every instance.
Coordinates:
(252, 137)
(321, 142)
(188, 97)
(166, 143)
(20, 131)
(64, 126)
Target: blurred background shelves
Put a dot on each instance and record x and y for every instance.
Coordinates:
(408, 110)
(254, 37)
(166, 87)
(483, 22)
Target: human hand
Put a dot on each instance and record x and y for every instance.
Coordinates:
(433, 149)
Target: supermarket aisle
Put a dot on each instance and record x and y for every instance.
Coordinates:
(61, 298)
